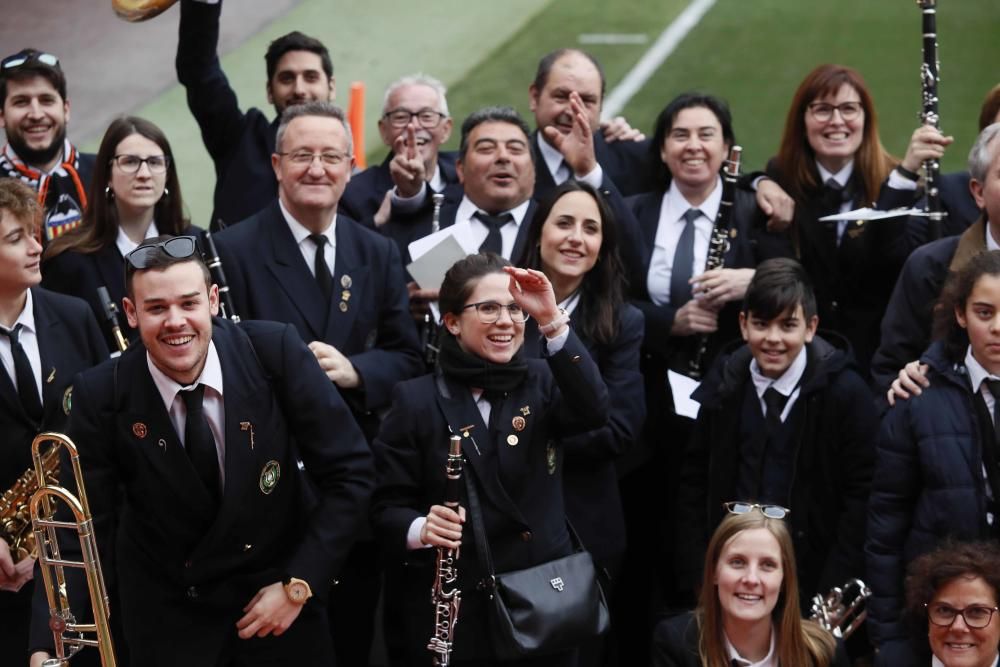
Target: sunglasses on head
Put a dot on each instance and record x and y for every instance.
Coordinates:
(22, 58)
(770, 511)
(178, 247)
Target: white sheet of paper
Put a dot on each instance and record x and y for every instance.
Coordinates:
(681, 386)
(429, 268)
(462, 231)
(869, 214)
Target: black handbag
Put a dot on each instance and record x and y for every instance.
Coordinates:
(547, 608)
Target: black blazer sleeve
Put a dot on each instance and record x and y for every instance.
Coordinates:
(675, 642)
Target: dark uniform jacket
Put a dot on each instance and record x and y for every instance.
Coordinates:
(928, 485)
(163, 542)
(519, 485)
(365, 191)
(240, 143)
(835, 422)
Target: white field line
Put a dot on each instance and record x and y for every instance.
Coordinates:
(661, 49)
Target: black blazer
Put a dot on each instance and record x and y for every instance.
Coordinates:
(163, 543)
(364, 193)
(519, 485)
(367, 318)
(240, 143)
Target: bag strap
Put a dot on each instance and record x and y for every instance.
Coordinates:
(479, 534)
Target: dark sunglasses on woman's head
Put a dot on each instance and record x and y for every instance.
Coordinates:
(23, 58)
(770, 511)
(178, 247)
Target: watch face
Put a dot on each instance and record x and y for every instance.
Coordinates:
(297, 592)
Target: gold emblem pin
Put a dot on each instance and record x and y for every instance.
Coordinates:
(139, 430)
(343, 306)
(51, 377)
(733, 232)
(526, 411)
(67, 400)
(345, 295)
(512, 440)
(247, 426)
(518, 423)
(465, 429)
(269, 477)
(345, 281)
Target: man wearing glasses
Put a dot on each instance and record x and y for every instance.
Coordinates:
(414, 125)
(34, 111)
(342, 287)
(202, 427)
(299, 70)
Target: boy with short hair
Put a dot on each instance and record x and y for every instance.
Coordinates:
(785, 420)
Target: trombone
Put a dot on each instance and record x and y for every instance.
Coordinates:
(70, 637)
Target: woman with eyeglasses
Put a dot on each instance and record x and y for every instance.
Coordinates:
(748, 605)
(952, 595)
(510, 412)
(573, 239)
(830, 161)
(937, 469)
(134, 195)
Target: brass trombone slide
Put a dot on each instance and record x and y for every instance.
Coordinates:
(70, 637)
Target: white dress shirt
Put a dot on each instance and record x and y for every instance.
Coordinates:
(937, 663)
(787, 385)
(559, 168)
(29, 341)
(213, 404)
(977, 378)
(673, 206)
(307, 246)
(770, 660)
(465, 215)
(127, 245)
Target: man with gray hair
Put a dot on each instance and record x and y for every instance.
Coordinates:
(414, 124)
(341, 285)
(906, 327)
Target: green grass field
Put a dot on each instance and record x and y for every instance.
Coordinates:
(751, 52)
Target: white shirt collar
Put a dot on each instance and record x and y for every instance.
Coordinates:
(553, 158)
(437, 181)
(991, 243)
(770, 660)
(466, 209)
(27, 317)
(674, 204)
(127, 245)
(211, 376)
(570, 303)
(784, 385)
(976, 371)
(299, 231)
(841, 176)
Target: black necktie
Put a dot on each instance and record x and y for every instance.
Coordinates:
(493, 242)
(991, 450)
(27, 390)
(199, 441)
(680, 272)
(323, 277)
(775, 402)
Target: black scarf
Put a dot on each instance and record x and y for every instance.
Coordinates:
(472, 371)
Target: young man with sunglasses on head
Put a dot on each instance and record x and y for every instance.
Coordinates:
(244, 479)
(45, 339)
(785, 421)
(34, 111)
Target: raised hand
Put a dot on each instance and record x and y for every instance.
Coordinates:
(407, 167)
(577, 146)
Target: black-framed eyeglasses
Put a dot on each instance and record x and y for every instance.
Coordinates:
(130, 164)
(22, 58)
(426, 118)
(489, 311)
(823, 112)
(178, 247)
(770, 511)
(305, 158)
(975, 616)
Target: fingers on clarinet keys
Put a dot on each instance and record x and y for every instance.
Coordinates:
(443, 527)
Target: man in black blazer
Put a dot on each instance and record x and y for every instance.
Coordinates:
(226, 476)
(414, 124)
(299, 70)
(45, 339)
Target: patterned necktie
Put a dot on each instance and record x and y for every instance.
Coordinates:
(493, 242)
(322, 269)
(199, 441)
(680, 272)
(27, 390)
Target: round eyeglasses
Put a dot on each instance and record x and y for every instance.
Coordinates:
(975, 616)
(823, 112)
(489, 311)
(770, 511)
(426, 118)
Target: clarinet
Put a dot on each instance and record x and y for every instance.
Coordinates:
(111, 315)
(438, 199)
(445, 595)
(429, 331)
(718, 243)
(226, 308)
(929, 77)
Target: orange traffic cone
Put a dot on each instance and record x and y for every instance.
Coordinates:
(356, 117)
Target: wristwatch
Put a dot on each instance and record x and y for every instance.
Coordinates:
(297, 590)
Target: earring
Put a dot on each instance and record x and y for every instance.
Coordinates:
(166, 192)
(109, 193)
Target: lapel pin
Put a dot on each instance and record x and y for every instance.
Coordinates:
(52, 376)
(550, 459)
(67, 400)
(247, 426)
(465, 429)
(163, 445)
(345, 281)
(512, 440)
(345, 295)
(343, 306)
(518, 423)
(139, 430)
(269, 477)
(526, 411)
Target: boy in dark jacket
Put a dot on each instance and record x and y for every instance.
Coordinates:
(784, 420)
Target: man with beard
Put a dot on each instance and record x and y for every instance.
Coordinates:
(34, 111)
(299, 70)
